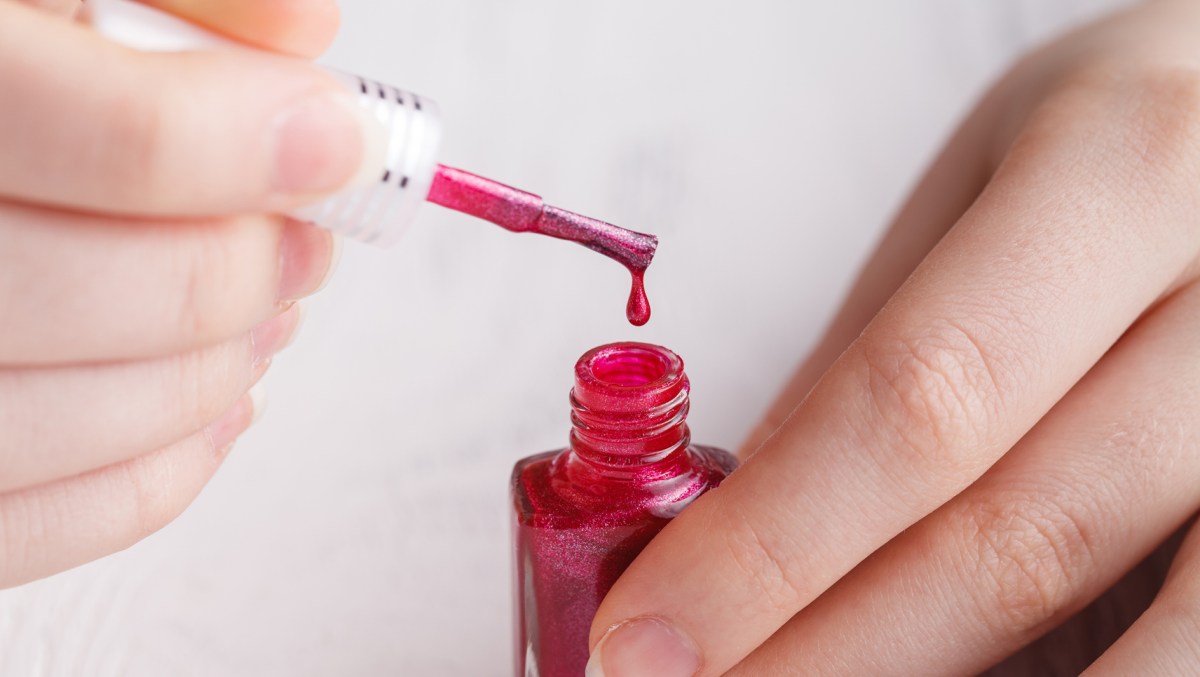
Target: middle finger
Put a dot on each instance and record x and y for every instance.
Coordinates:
(84, 288)
(61, 421)
(1102, 480)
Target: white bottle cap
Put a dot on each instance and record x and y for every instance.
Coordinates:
(376, 213)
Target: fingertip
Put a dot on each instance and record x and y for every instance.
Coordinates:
(303, 28)
(307, 259)
(222, 432)
(321, 32)
(272, 336)
(644, 646)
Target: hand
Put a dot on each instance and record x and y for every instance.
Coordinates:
(1001, 420)
(143, 285)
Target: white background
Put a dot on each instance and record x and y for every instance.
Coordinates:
(361, 528)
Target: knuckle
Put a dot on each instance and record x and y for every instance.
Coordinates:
(150, 485)
(42, 531)
(205, 382)
(187, 376)
(1029, 559)
(759, 554)
(1149, 437)
(135, 130)
(932, 395)
(1146, 118)
(224, 276)
(1168, 116)
(203, 261)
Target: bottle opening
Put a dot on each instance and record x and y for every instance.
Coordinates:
(629, 367)
(628, 377)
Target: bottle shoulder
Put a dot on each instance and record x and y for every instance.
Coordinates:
(548, 489)
(535, 461)
(720, 460)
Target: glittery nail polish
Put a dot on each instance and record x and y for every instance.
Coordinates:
(581, 514)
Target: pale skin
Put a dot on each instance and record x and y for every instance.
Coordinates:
(999, 424)
(144, 281)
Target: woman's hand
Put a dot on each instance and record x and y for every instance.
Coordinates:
(1001, 421)
(144, 285)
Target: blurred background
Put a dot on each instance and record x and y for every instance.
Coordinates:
(361, 528)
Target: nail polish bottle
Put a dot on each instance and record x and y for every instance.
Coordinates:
(581, 514)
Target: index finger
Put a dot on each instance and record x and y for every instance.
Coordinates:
(1067, 245)
(92, 126)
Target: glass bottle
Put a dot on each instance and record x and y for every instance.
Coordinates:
(581, 514)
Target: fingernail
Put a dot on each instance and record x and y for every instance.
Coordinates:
(259, 370)
(222, 432)
(307, 258)
(326, 142)
(258, 402)
(334, 259)
(644, 646)
(275, 334)
(301, 316)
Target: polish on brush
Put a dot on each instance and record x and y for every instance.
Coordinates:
(523, 212)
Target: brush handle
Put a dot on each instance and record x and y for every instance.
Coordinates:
(410, 126)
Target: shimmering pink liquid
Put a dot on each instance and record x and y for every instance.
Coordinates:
(582, 514)
(523, 212)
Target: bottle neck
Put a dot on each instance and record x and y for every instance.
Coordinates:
(629, 412)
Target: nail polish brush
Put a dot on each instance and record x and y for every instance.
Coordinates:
(409, 173)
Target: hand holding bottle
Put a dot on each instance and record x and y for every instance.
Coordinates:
(144, 285)
(1001, 421)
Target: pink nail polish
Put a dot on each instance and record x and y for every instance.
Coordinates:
(583, 513)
